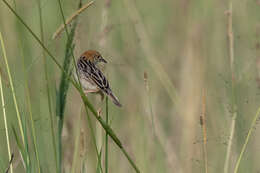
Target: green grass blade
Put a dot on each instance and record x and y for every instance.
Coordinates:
(12, 88)
(247, 140)
(28, 101)
(63, 90)
(99, 167)
(27, 158)
(34, 141)
(106, 139)
(19, 144)
(26, 155)
(4, 114)
(66, 29)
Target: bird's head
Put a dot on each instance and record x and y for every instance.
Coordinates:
(93, 56)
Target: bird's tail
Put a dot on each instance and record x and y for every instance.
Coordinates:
(114, 99)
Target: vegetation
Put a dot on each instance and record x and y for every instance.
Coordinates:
(187, 74)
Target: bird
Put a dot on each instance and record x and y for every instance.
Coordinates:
(91, 77)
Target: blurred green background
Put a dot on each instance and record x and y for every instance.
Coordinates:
(182, 46)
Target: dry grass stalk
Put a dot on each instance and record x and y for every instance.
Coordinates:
(231, 56)
(149, 52)
(70, 19)
(204, 131)
(159, 135)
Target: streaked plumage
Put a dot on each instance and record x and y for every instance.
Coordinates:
(91, 77)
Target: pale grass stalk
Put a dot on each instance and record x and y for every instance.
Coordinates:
(67, 34)
(247, 139)
(234, 106)
(149, 52)
(149, 101)
(159, 134)
(102, 44)
(70, 19)
(4, 114)
(104, 21)
(12, 88)
(204, 131)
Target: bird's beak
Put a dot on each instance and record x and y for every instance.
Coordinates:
(103, 60)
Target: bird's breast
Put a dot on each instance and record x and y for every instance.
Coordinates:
(88, 85)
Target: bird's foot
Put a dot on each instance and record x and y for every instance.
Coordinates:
(99, 112)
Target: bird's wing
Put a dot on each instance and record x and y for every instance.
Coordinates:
(95, 75)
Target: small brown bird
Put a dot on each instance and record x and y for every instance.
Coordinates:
(91, 77)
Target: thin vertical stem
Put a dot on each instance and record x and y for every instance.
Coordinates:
(5, 119)
(247, 139)
(12, 89)
(60, 123)
(93, 138)
(33, 128)
(106, 140)
(204, 131)
(76, 144)
(234, 106)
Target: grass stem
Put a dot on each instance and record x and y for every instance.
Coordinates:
(93, 139)
(12, 90)
(70, 19)
(106, 139)
(247, 140)
(76, 144)
(204, 132)
(4, 113)
(234, 106)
